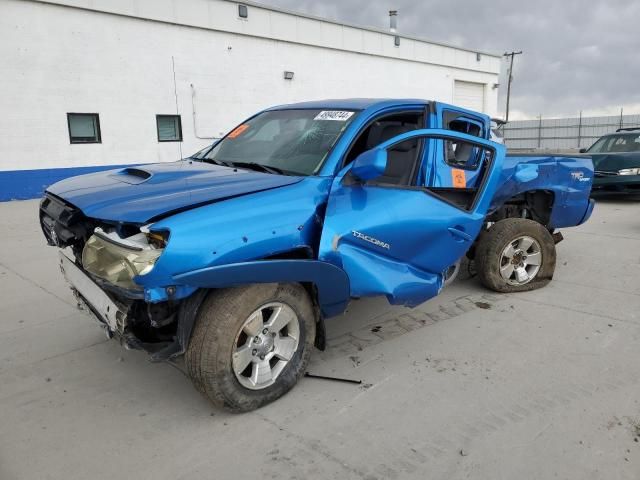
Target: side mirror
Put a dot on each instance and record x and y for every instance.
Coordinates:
(583, 150)
(370, 164)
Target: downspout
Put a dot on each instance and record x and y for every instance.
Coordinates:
(175, 93)
(193, 109)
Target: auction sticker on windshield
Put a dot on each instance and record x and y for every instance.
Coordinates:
(239, 130)
(337, 115)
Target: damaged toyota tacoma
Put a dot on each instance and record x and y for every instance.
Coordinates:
(235, 257)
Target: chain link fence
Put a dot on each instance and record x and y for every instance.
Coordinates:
(563, 134)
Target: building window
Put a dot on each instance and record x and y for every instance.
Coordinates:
(169, 128)
(84, 127)
(243, 11)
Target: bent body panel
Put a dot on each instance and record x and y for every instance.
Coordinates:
(331, 282)
(397, 241)
(243, 229)
(569, 178)
(140, 194)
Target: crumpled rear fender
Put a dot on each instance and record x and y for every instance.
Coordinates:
(331, 282)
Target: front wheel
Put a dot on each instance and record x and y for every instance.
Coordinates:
(251, 344)
(451, 273)
(515, 255)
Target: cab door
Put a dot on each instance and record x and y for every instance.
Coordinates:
(397, 239)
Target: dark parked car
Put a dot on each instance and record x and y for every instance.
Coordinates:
(616, 161)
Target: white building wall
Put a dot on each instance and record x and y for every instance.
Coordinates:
(58, 59)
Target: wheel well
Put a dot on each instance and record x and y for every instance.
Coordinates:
(321, 335)
(306, 253)
(535, 205)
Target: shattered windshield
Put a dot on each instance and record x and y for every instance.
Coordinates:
(627, 142)
(293, 142)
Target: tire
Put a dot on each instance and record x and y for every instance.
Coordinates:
(512, 236)
(451, 273)
(230, 324)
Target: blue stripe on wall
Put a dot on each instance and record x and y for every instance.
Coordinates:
(26, 184)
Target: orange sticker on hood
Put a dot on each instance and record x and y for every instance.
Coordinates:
(458, 178)
(239, 130)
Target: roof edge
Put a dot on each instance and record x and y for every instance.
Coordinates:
(360, 27)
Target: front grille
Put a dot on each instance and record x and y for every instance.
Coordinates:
(605, 173)
(62, 224)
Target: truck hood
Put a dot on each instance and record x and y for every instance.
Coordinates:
(148, 192)
(612, 162)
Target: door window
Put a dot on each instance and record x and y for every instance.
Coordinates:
(463, 123)
(459, 168)
(401, 161)
(402, 158)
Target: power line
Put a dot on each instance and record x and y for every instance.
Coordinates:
(511, 55)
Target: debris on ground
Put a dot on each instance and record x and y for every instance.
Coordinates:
(337, 379)
(483, 305)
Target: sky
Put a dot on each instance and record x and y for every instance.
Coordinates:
(577, 54)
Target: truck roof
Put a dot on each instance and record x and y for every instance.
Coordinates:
(365, 104)
(351, 103)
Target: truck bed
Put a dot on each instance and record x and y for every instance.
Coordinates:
(567, 177)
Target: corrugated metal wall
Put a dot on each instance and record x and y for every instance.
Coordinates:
(563, 133)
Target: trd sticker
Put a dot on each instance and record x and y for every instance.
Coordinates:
(458, 178)
(367, 238)
(336, 115)
(239, 130)
(579, 176)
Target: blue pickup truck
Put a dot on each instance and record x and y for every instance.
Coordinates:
(233, 258)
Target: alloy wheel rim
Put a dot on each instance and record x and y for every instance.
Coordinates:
(520, 260)
(264, 345)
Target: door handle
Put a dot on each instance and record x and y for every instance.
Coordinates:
(456, 232)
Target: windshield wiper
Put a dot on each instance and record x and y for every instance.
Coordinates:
(258, 166)
(250, 165)
(215, 162)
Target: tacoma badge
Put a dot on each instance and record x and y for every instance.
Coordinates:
(369, 239)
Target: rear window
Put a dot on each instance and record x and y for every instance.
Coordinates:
(622, 143)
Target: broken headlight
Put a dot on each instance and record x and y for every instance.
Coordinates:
(118, 260)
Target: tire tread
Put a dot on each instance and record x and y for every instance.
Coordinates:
(208, 356)
(493, 241)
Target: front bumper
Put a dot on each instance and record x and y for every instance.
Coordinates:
(617, 184)
(111, 315)
(120, 318)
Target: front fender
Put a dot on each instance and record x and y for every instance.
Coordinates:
(332, 283)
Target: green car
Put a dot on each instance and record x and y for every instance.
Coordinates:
(616, 162)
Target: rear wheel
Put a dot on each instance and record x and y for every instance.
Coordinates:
(251, 344)
(515, 255)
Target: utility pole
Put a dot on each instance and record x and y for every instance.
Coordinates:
(621, 117)
(511, 55)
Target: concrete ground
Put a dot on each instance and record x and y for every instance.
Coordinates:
(472, 384)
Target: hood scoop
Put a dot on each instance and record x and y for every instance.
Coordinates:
(132, 175)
